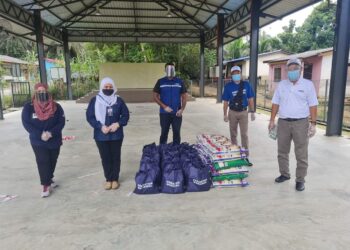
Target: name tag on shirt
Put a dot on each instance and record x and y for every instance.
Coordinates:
(109, 111)
(34, 116)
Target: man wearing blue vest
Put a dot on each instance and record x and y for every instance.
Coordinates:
(239, 97)
(170, 93)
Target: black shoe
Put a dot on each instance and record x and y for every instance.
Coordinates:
(281, 179)
(299, 186)
(249, 163)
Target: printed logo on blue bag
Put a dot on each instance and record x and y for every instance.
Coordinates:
(172, 184)
(145, 185)
(200, 182)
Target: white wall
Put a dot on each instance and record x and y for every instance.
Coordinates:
(263, 68)
(326, 67)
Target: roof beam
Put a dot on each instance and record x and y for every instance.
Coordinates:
(233, 20)
(123, 8)
(87, 9)
(129, 16)
(132, 22)
(213, 5)
(218, 8)
(60, 4)
(31, 4)
(80, 35)
(47, 9)
(22, 17)
(270, 16)
(198, 8)
(188, 18)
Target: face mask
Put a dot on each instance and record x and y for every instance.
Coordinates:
(42, 97)
(236, 77)
(108, 92)
(170, 71)
(293, 75)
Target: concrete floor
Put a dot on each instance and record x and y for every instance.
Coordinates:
(81, 215)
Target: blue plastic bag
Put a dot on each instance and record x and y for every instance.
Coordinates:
(172, 181)
(146, 183)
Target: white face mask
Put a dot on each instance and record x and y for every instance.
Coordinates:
(170, 70)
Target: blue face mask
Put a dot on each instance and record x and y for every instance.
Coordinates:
(293, 75)
(236, 77)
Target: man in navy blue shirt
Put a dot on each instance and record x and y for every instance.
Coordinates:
(239, 97)
(170, 93)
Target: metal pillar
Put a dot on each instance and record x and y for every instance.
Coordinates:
(220, 55)
(339, 69)
(40, 46)
(1, 112)
(202, 70)
(67, 63)
(254, 46)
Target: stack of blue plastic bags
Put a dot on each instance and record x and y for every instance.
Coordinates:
(171, 169)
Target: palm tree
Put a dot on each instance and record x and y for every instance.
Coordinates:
(237, 49)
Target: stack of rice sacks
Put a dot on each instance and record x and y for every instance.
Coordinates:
(227, 162)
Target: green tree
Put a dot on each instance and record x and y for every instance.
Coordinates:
(268, 43)
(288, 38)
(317, 31)
(32, 58)
(236, 49)
(11, 45)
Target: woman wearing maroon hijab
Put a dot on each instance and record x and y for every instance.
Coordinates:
(44, 120)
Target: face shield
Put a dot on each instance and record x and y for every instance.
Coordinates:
(170, 70)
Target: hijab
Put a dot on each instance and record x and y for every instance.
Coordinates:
(43, 109)
(103, 101)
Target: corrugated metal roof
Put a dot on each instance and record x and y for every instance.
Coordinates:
(195, 15)
(9, 59)
(302, 55)
(246, 58)
(273, 10)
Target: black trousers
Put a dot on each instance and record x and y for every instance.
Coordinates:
(165, 121)
(46, 160)
(110, 152)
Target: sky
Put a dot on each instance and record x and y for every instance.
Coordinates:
(276, 27)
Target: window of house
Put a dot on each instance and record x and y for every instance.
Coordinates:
(307, 71)
(16, 70)
(277, 74)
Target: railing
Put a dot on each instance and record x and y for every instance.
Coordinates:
(20, 93)
(266, 90)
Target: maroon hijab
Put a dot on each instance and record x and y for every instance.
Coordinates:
(43, 110)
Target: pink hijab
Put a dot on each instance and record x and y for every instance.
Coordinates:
(43, 110)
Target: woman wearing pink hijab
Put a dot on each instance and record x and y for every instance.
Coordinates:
(44, 120)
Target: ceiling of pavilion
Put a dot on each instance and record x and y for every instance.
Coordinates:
(179, 21)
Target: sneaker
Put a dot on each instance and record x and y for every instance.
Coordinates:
(281, 179)
(45, 192)
(53, 184)
(249, 163)
(115, 185)
(108, 185)
(299, 186)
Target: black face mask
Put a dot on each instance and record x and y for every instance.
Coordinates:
(42, 97)
(108, 92)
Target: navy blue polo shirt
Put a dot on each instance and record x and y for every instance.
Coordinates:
(231, 90)
(170, 91)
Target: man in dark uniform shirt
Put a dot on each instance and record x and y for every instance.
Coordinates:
(170, 94)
